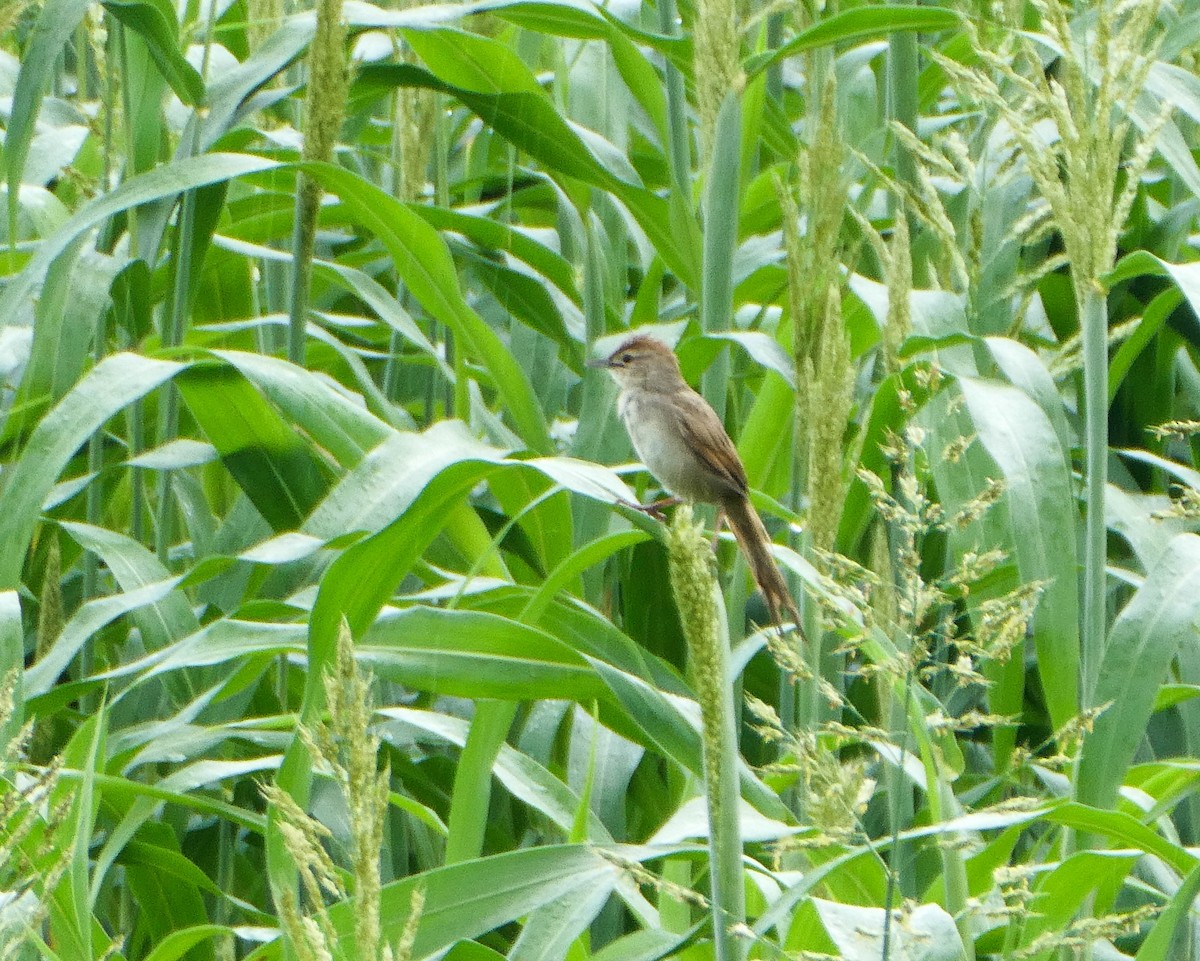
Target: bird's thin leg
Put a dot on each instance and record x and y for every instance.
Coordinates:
(717, 524)
(655, 508)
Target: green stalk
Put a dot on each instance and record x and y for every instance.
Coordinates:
(137, 476)
(173, 323)
(900, 804)
(398, 188)
(679, 151)
(592, 517)
(95, 450)
(942, 807)
(725, 839)
(903, 72)
(489, 728)
(324, 110)
(1093, 316)
(95, 491)
(457, 400)
(775, 71)
(698, 596)
(902, 547)
(473, 779)
(116, 64)
(304, 233)
(902, 98)
(721, 207)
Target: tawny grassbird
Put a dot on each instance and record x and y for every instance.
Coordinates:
(683, 443)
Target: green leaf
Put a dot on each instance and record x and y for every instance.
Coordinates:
(468, 899)
(508, 239)
(56, 21)
(472, 62)
(530, 122)
(1041, 513)
(75, 298)
(1160, 942)
(178, 943)
(1124, 831)
(475, 655)
(134, 567)
(167, 180)
(1062, 890)
(155, 23)
(114, 382)
(70, 913)
(424, 263)
(523, 778)
(857, 24)
(671, 727)
(585, 22)
(928, 933)
(1163, 615)
(273, 464)
(12, 659)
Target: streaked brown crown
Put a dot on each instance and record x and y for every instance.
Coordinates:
(640, 346)
(645, 363)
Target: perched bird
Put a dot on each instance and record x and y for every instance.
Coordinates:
(680, 438)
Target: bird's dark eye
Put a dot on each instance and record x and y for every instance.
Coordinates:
(626, 358)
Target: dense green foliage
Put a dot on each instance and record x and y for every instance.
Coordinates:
(326, 624)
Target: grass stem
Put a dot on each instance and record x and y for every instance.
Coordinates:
(698, 596)
(721, 207)
(1093, 317)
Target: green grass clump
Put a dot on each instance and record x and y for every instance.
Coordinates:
(327, 628)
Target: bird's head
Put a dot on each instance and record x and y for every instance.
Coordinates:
(642, 362)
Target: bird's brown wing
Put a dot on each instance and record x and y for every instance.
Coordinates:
(704, 433)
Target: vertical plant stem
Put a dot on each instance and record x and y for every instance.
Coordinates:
(323, 112)
(721, 208)
(175, 319)
(591, 519)
(679, 143)
(775, 71)
(304, 233)
(1093, 316)
(394, 184)
(473, 779)
(95, 491)
(902, 97)
(900, 806)
(903, 103)
(95, 450)
(725, 839)
(117, 60)
(137, 476)
(173, 324)
(441, 196)
(944, 806)
(903, 548)
(698, 596)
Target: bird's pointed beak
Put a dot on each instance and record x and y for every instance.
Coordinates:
(601, 363)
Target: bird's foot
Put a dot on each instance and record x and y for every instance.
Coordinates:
(717, 525)
(655, 508)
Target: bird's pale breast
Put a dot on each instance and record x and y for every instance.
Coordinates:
(653, 428)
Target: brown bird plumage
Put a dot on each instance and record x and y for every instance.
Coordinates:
(681, 440)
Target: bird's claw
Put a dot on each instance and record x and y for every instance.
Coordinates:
(655, 508)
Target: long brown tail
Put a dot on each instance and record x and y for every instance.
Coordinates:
(754, 541)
